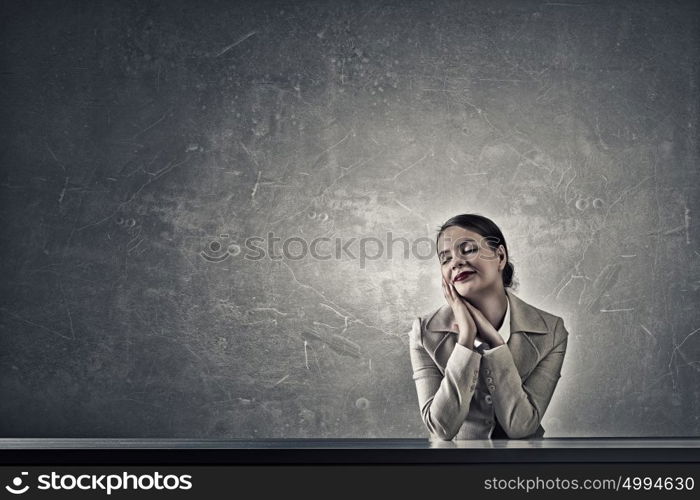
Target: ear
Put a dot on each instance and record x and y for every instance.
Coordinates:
(502, 257)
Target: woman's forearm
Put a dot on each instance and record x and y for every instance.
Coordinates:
(520, 406)
(443, 400)
(445, 412)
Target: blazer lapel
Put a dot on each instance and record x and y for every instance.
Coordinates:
(440, 338)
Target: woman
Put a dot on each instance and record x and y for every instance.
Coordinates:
(486, 363)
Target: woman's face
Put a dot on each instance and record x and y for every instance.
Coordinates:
(469, 263)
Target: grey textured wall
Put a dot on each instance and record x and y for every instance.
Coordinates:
(144, 143)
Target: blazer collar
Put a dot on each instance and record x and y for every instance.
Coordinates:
(523, 317)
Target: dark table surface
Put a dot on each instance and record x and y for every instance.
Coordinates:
(359, 444)
(346, 451)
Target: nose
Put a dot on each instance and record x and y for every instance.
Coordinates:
(458, 262)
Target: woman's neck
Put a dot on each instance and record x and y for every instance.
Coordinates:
(492, 306)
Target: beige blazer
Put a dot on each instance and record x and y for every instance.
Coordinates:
(466, 394)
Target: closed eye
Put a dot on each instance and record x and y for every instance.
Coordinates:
(446, 259)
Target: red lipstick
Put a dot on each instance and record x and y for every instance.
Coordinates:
(464, 275)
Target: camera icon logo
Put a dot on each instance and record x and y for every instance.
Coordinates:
(16, 488)
(218, 251)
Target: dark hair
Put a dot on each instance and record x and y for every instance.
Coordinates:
(492, 235)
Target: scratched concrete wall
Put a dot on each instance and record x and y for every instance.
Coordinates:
(146, 145)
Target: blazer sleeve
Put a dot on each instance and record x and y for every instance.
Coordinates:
(520, 406)
(443, 400)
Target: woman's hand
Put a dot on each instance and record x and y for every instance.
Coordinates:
(465, 322)
(486, 330)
